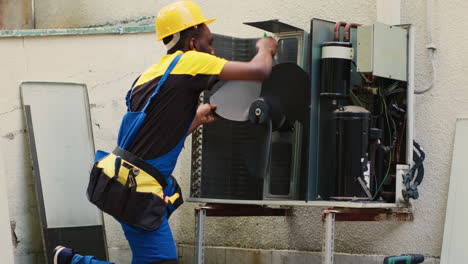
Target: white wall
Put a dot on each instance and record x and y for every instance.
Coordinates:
(108, 64)
(6, 245)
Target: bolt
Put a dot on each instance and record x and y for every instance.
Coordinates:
(258, 112)
(135, 171)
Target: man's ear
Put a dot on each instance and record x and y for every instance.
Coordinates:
(193, 44)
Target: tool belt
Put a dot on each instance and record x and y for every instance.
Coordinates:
(131, 190)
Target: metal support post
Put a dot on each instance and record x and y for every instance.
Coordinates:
(328, 218)
(200, 235)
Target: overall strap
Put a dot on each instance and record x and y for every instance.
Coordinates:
(163, 80)
(127, 97)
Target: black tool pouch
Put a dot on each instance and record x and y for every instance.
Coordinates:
(144, 210)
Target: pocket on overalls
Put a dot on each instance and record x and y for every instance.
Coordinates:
(144, 210)
(98, 186)
(175, 200)
(105, 192)
(93, 179)
(117, 195)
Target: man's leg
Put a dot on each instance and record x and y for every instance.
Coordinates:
(64, 255)
(155, 246)
(79, 259)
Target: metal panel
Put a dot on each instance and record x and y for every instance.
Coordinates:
(410, 95)
(456, 229)
(401, 170)
(346, 204)
(273, 26)
(382, 50)
(62, 149)
(287, 48)
(279, 184)
(365, 49)
(300, 49)
(321, 31)
(390, 53)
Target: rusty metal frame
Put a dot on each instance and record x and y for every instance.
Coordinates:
(370, 214)
(233, 210)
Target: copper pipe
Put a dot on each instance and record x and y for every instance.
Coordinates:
(337, 30)
(347, 31)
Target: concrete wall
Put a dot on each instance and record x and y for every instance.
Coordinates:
(6, 245)
(108, 64)
(230, 14)
(16, 14)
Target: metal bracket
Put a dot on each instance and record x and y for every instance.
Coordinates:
(332, 215)
(200, 214)
(401, 170)
(328, 245)
(226, 210)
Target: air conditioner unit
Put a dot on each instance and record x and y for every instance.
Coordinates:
(331, 148)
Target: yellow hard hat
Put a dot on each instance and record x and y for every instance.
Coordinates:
(178, 16)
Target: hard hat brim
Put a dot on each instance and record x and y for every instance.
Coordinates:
(206, 22)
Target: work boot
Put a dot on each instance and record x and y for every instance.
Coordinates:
(63, 255)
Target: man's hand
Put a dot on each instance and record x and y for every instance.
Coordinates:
(258, 69)
(269, 44)
(205, 114)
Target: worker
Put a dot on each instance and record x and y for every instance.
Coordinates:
(162, 111)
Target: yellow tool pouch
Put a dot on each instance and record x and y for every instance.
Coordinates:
(131, 190)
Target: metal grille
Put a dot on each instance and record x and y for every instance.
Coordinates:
(233, 180)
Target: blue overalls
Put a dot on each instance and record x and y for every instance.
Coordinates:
(156, 246)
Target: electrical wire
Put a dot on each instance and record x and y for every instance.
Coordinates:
(390, 140)
(384, 179)
(357, 98)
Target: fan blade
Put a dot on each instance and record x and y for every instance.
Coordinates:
(256, 153)
(234, 98)
(287, 93)
(265, 158)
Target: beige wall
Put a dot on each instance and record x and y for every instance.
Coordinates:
(230, 14)
(108, 64)
(16, 14)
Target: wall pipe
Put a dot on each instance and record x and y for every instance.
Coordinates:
(347, 31)
(430, 47)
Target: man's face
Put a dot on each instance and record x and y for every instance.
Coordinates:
(205, 41)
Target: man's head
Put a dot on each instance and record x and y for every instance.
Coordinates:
(182, 26)
(197, 38)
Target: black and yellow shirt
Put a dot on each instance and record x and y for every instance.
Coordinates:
(171, 112)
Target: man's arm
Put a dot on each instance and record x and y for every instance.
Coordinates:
(258, 69)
